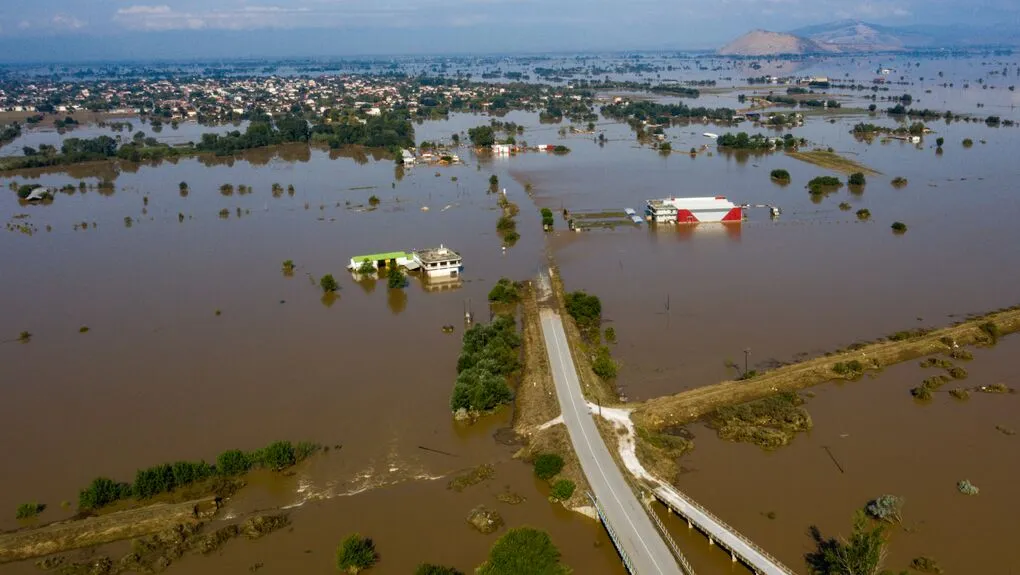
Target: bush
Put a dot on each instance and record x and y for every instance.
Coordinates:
(967, 142)
(355, 554)
(899, 182)
(967, 488)
(153, 481)
(863, 214)
(366, 267)
(610, 334)
(288, 266)
(823, 185)
(856, 179)
(886, 508)
(430, 569)
(102, 492)
(373, 200)
(493, 180)
(563, 489)
(328, 284)
(957, 372)
(510, 238)
(523, 550)
(991, 330)
(851, 368)
(278, 455)
(925, 565)
(395, 279)
(233, 462)
(844, 206)
(922, 393)
(899, 227)
(603, 365)
(29, 510)
(506, 224)
(488, 354)
(585, 309)
(505, 291)
(547, 465)
(780, 175)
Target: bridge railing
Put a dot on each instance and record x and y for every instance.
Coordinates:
(612, 534)
(685, 566)
(689, 501)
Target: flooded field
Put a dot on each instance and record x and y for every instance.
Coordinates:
(198, 343)
(886, 443)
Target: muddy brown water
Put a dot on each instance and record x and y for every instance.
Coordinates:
(160, 377)
(886, 443)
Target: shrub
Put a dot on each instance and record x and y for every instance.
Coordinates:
(523, 550)
(395, 279)
(961, 354)
(328, 284)
(780, 175)
(188, 472)
(366, 267)
(967, 142)
(493, 180)
(886, 508)
(547, 465)
(610, 334)
(863, 214)
(823, 185)
(844, 206)
(992, 330)
(585, 309)
(506, 224)
(29, 510)
(899, 182)
(925, 565)
(102, 492)
(665, 148)
(233, 462)
(856, 179)
(967, 488)
(430, 569)
(153, 481)
(939, 141)
(603, 365)
(922, 393)
(288, 266)
(355, 554)
(505, 291)
(373, 200)
(899, 227)
(563, 489)
(959, 393)
(851, 368)
(561, 149)
(957, 372)
(278, 455)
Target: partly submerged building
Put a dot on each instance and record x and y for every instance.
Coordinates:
(383, 260)
(693, 210)
(441, 261)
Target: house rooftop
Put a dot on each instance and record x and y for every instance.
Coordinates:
(439, 254)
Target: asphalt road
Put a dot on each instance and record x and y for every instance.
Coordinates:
(634, 529)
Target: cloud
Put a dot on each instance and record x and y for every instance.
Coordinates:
(162, 17)
(63, 21)
(24, 25)
(144, 10)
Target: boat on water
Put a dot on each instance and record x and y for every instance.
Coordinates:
(710, 135)
(693, 210)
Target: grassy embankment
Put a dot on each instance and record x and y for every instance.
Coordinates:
(832, 161)
(675, 410)
(536, 403)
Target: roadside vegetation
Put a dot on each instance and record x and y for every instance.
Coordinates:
(780, 176)
(504, 292)
(488, 358)
(769, 423)
(586, 310)
(506, 226)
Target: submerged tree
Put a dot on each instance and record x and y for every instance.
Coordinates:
(328, 284)
(355, 554)
(886, 508)
(861, 554)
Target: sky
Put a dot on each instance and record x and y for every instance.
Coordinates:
(70, 29)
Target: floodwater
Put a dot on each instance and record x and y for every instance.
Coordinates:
(886, 443)
(161, 376)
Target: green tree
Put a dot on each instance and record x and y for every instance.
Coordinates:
(233, 462)
(29, 510)
(856, 179)
(780, 175)
(547, 465)
(430, 569)
(563, 489)
(102, 492)
(395, 279)
(939, 141)
(888, 508)
(279, 455)
(493, 180)
(523, 550)
(505, 291)
(328, 284)
(862, 554)
(366, 267)
(482, 136)
(355, 554)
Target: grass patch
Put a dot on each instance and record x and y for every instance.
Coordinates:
(563, 489)
(355, 554)
(770, 422)
(832, 161)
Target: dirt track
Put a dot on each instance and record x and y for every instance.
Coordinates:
(690, 405)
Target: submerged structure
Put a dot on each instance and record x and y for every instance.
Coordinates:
(693, 210)
(438, 262)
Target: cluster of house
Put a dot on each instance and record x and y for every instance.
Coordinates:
(431, 262)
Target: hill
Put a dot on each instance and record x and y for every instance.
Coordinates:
(765, 43)
(857, 36)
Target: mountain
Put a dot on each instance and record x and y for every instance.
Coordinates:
(765, 43)
(858, 36)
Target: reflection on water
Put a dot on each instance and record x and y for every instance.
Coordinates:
(396, 300)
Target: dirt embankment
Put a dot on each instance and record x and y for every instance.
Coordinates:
(674, 410)
(76, 534)
(833, 161)
(536, 403)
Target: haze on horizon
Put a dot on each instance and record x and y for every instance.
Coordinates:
(59, 30)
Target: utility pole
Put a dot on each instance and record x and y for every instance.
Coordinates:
(747, 352)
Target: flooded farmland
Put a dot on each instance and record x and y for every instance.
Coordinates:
(198, 343)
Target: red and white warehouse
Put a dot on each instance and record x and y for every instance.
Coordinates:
(693, 210)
